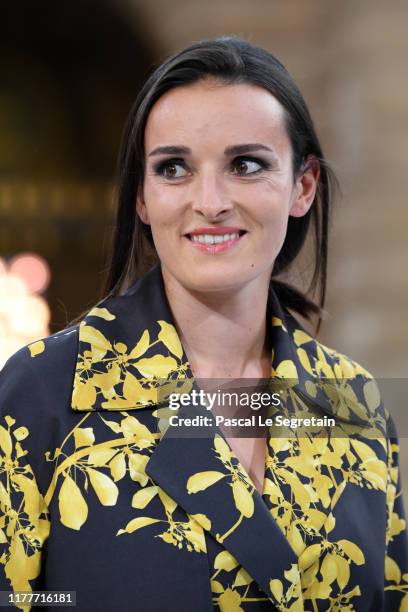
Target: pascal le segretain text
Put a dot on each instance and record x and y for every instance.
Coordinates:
(255, 420)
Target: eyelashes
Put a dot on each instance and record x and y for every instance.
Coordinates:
(264, 165)
(160, 167)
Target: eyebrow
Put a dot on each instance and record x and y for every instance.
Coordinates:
(238, 149)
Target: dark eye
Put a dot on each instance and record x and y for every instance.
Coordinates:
(170, 169)
(247, 165)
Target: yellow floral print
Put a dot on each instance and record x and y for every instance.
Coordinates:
(24, 520)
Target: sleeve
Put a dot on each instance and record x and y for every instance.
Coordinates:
(24, 517)
(396, 552)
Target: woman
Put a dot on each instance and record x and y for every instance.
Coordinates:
(222, 172)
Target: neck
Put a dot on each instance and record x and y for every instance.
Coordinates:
(223, 333)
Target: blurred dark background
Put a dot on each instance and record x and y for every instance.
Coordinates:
(70, 71)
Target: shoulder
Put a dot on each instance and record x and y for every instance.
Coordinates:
(325, 361)
(361, 390)
(45, 354)
(350, 386)
(346, 367)
(44, 368)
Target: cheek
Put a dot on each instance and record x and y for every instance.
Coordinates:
(161, 206)
(272, 215)
(272, 211)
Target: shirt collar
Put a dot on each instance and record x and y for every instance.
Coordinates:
(128, 345)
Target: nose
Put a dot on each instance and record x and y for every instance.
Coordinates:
(210, 198)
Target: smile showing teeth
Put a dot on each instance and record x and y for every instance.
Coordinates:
(209, 239)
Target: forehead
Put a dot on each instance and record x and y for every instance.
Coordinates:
(212, 110)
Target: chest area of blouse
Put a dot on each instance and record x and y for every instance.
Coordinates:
(191, 500)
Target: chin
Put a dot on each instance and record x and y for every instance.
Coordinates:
(214, 279)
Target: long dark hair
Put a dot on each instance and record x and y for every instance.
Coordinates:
(231, 60)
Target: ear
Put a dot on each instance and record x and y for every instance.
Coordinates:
(305, 189)
(141, 208)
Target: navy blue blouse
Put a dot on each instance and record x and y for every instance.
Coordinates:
(97, 497)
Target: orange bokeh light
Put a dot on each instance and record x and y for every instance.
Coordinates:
(24, 315)
(33, 269)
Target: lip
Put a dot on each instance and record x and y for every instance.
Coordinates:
(214, 249)
(215, 231)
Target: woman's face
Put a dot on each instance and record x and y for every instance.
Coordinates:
(219, 165)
